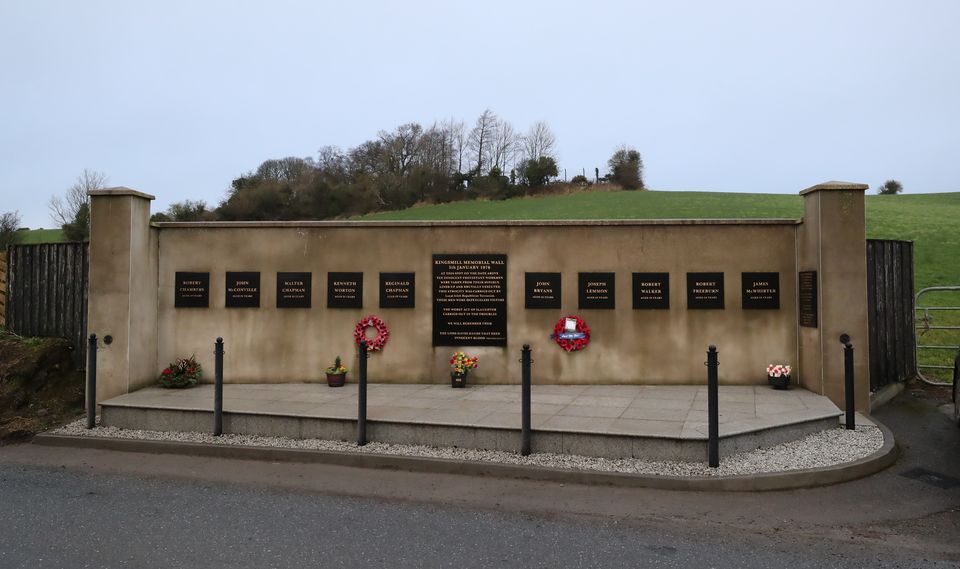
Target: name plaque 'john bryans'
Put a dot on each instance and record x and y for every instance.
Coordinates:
(807, 298)
(705, 290)
(294, 290)
(243, 290)
(596, 290)
(398, 290)
(541, 290)
(651, 291)
(761, 291)
(344, 290)
(191, 290)
(470, 300)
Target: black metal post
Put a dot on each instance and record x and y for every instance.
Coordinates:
(525, 362)
(218, 388)
(713, 413)
(92, 382)
(362, 396)
(848, 382)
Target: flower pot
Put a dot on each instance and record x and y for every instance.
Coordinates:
(458, 379)
(782, 382)
(336, 379)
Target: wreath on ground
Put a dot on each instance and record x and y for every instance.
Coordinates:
(571, 340)
(383, 333)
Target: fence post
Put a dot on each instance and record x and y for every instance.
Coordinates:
(218, 388)
(848, 382)
(92, 382)
(362, 396)
(525, 362)
(713, 413)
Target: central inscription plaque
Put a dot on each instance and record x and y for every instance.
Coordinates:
(243, 290)
(470, 300)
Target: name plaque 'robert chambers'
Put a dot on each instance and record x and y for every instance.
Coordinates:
(470, 300)
(294, 290)
(541, 290)
(243, 290)
(597, 290)
(344, 290)
(704, 290)
(807, 298)
(761, 291)
(651, 291)
(191, 290)
(398, 290)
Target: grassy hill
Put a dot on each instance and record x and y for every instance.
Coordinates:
(31, 236)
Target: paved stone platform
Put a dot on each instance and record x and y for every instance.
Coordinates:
(612, 421)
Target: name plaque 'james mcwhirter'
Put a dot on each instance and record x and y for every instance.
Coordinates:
(191, 290)
(597, 290)
(704, 290)
(344, 290)
(761, 291)
(470, 300)
(294, 290)
(398, 290)
(243, 290)
(541, 290)
(651, 291)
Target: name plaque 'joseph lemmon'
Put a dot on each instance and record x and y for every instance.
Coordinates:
(470, 300)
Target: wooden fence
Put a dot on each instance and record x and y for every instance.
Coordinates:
(3, 288)
(893, 346)
(47, 292)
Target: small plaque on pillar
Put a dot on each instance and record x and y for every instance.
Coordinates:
(705, 291)
(191, 290)
(541, 290)
(651, 291)
(807, 298)
(294, 290)
(344, 290)
(398, 290)
(761, 291)
(243, 290)
(597, 290)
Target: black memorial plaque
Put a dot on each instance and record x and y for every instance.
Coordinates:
(597, 290)
(651, 291)
(807, 298)
(243, 290)
(294, 290)
(761, 291)
(541, 290)
(397, 290)
(470, 300)
(705, 290)
(191, 290)
(344, 290)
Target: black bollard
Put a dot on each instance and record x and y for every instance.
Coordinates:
(362, 396)
(92, 382)
(849, 400)
(525, 362)
(218, 388)
(713, 413)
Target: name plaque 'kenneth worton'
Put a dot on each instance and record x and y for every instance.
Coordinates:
(243, 290)
(470, 300)
(651, 291)
(398, 290)
(541, 290)
(191, 290)
(807, 298)
(705, 290)
(344, 290)
(761, 291)
(294, 290)
(597, 290)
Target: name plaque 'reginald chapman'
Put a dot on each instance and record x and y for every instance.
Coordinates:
(541, 290)
(398, 290)
(191, 290)
(807, 298)
(704, 290)
(597, 290)
(651, 291)
(761, 291)
(344, 290)
(243, 290)
(294, 290)
(470, 300)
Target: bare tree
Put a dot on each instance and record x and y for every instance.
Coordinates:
(539, 142)
(64, 211)
(480, 137)
(504, 145)
(401, 146)
(459, 141)
(9, 224)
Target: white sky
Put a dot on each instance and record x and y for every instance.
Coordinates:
(178, 98)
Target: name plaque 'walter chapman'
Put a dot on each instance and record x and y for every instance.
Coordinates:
(344, 290)
(470, 300)
(761, 291)
(398, 290)
(704, 290)
(294, 290)
(191, 290)
(243, 290)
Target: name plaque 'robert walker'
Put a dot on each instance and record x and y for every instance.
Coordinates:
(597, 290)
(541, 290)
(398, 290)
(651, 291)
(191, 290)
(761, 291)
(344, 290)
(705, 290)
(470, 300)
(294, 290)
(807, 298)
(243, 290)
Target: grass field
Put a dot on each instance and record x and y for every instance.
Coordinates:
(32, 236)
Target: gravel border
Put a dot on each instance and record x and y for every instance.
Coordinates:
(827, 448)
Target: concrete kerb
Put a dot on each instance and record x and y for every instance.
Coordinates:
(824, 476)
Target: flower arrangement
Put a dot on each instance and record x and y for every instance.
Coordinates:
(778, 370)
(337, 373)
(571, 333)
(185, 372)
(337, 367)
(461, 363)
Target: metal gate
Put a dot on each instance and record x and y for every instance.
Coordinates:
(938, 332)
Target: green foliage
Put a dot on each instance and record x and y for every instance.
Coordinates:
(337, 367)
(185, 372)
(187, 210)
(79, 228)
(889, 188)
(535, 173)
(580, 180)
(626, 168)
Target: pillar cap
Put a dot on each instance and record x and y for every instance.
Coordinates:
(120, 191)
(834, 185)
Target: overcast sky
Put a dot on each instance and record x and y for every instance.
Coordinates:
(178, 98)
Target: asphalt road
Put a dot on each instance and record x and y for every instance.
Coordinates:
(76, 508)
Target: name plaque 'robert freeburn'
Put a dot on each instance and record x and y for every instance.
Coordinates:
(243, 290)
(344, 290)
(470, 300)
(807, 298)
(398, 290)
(541, 290)
(705, 290)
(761, 291)
(651, 291)
(294, 290)
(191, 290)
(597, 290)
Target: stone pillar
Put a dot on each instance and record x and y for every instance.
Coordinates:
(832, 241)
(122, 298)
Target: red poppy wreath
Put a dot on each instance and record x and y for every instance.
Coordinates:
(383, 333)
(571, 333)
